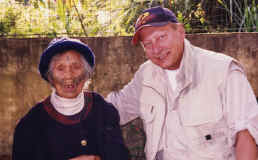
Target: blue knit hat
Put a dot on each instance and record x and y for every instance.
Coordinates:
(61, 45)
(155, 16)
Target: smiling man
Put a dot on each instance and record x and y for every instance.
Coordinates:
(70, 124)
(195, 104)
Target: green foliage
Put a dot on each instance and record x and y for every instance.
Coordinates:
(55, 18)
(83, 17)
(190, 13)
(243, 14)
(108, 17)
(251, 17)
(8, 18)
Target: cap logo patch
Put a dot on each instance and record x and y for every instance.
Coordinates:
(144, 18)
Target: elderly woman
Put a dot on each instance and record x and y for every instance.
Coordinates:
(70, 124)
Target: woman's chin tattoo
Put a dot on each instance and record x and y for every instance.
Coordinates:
(74, 81)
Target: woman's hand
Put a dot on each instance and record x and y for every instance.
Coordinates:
(86, 157)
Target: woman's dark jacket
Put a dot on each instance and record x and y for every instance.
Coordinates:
(45, 134)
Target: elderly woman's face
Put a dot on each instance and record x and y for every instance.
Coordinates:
(68, 74)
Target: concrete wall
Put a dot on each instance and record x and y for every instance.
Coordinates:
(117, 60)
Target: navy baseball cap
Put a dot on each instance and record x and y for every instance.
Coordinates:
(156, 16)
(61, 45)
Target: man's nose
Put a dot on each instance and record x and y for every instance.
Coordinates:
(155, 49)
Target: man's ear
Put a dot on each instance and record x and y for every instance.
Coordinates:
(181, 28)
(142, 46)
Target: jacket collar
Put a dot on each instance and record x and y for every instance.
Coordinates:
(187, 66)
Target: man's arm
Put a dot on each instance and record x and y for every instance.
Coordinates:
(242, 113)
(245, 146)
(126, 100)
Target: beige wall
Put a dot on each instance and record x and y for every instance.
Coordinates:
(117, 60)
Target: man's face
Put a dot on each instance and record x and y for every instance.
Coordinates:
(68, 74)
(163, 45)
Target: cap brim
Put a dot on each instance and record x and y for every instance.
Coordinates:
(135, 39)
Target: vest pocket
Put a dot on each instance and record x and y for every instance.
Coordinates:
(147, 112)
(209, 139)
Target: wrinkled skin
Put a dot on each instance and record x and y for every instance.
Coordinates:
(68, 74)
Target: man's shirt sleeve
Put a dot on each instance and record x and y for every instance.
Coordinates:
(240, 102)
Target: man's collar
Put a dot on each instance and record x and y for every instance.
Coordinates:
(187, 65)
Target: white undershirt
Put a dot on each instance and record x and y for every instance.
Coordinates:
(67, 106)
(172, 78)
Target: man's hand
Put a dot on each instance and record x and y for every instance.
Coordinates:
(86, 157)
(245, 146)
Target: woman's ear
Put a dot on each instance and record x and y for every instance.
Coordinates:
(50, 79)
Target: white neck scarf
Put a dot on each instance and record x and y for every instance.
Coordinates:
(67, 106)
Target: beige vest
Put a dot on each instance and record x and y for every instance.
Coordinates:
(199, 103)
